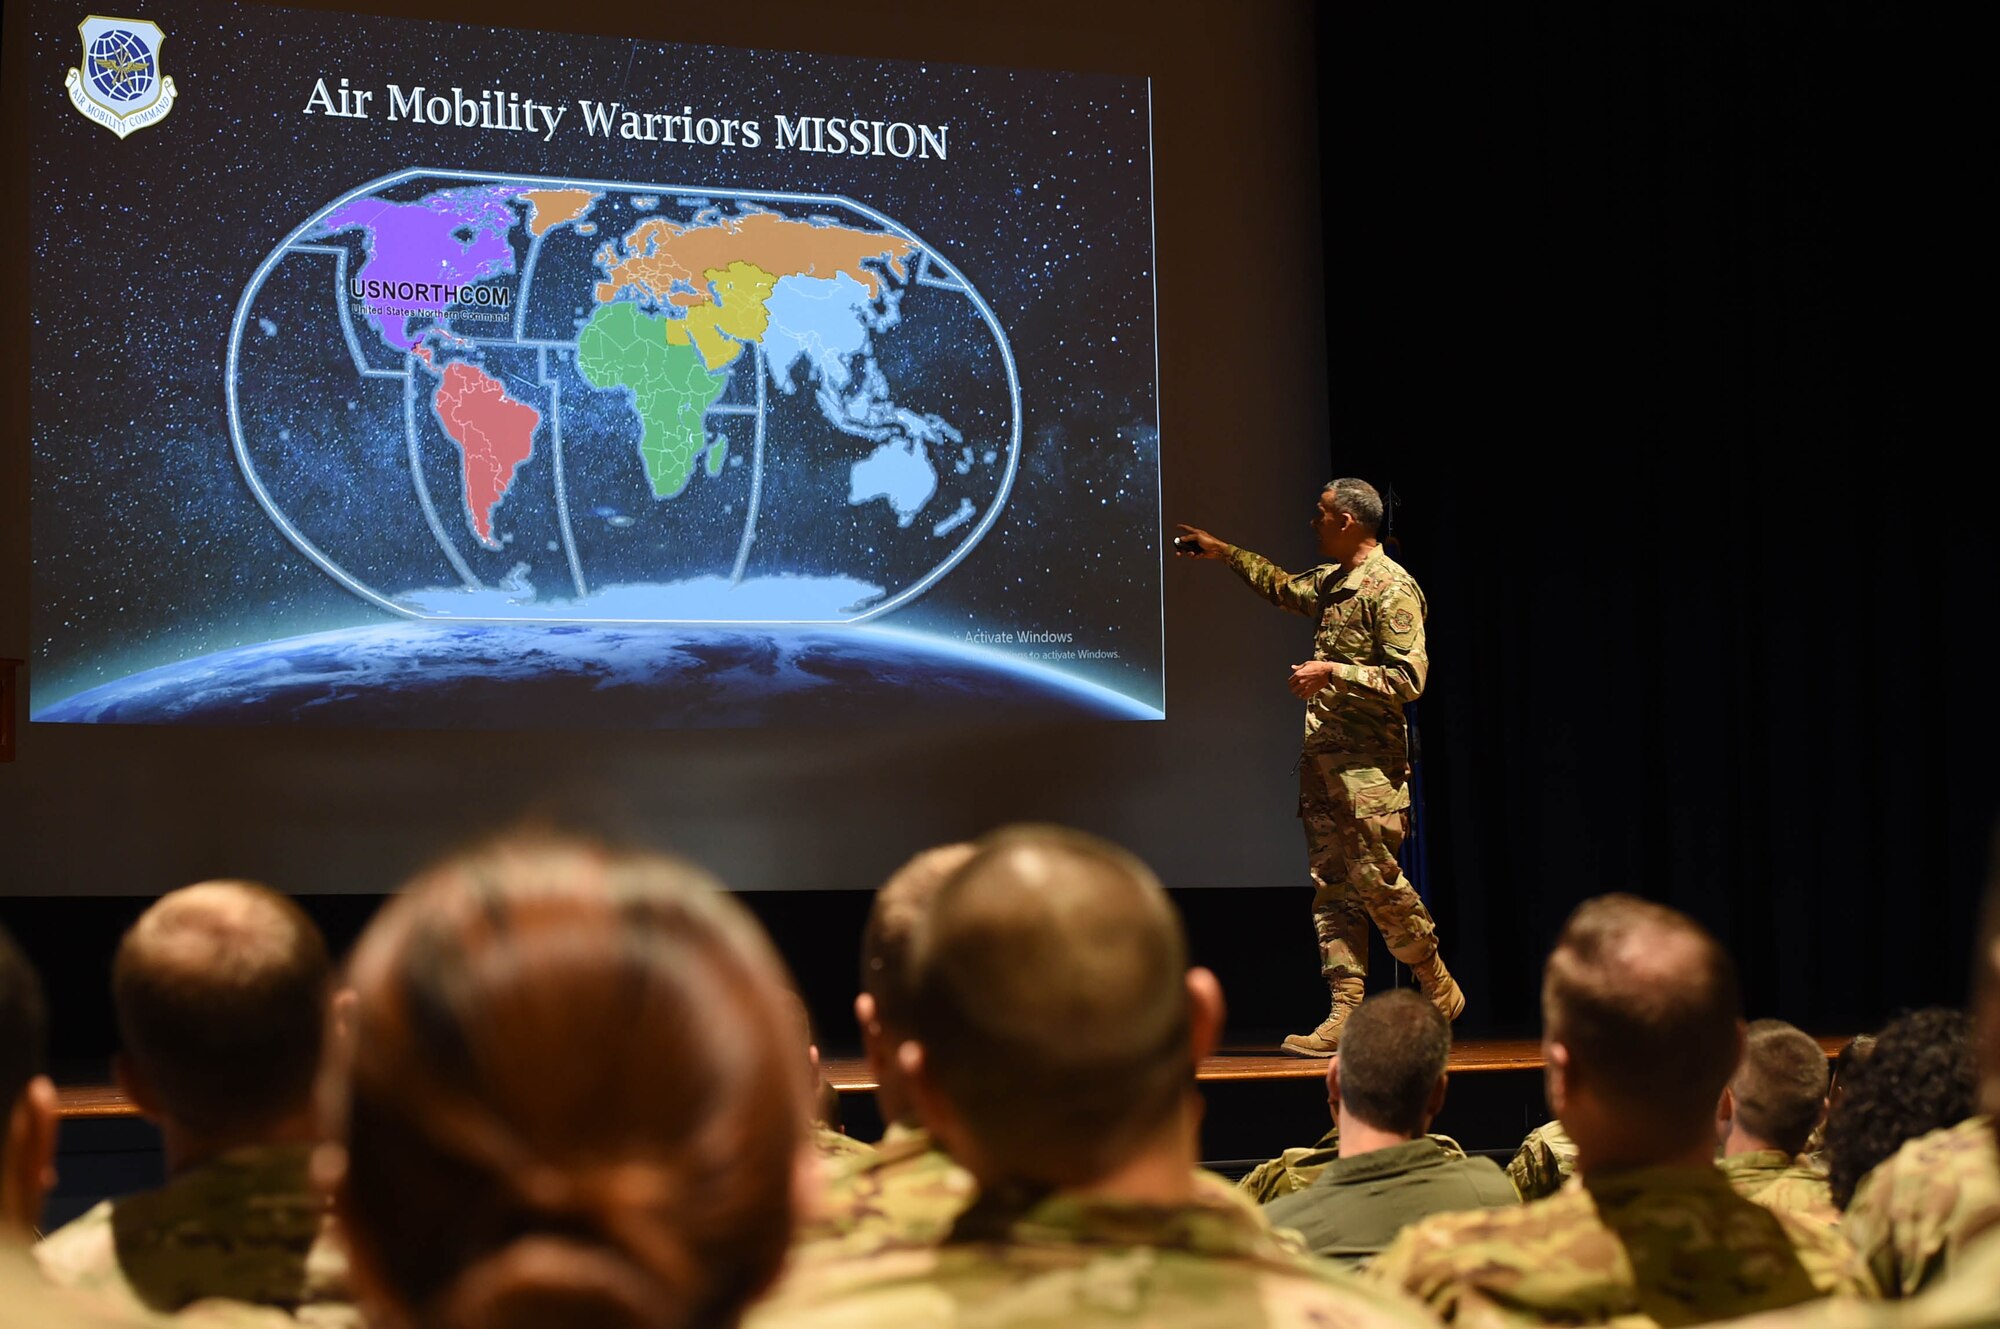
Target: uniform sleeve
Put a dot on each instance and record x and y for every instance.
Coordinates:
(1407, 1265)
(1405, 665)
(1298, 593)
(1867, 1229)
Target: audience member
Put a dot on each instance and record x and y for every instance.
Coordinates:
(1056, 1031)
(574, 1097)
(1384, 1086)
(27, 1154)
(838, 1151)
(1921, 1078)
(221, 992)
(910, 1191)
(1853, 1056)
(1545, 1160)
(1768, 1111)
(1640, 1033)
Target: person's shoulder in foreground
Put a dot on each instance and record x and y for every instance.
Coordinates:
(1967, 1297)
(1667, 1245)
(1913, 1210)
(1074, 1262)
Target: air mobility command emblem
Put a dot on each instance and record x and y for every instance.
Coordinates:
(119, 83)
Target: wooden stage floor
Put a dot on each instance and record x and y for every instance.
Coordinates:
(850, 1075)
(1238, 1064)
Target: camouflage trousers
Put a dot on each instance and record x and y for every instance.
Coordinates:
(1355, 818)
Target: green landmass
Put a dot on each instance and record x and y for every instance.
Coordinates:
(718, 455)
(671, 387)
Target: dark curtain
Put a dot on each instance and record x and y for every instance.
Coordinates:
(1649, 315)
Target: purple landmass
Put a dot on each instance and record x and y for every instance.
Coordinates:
(413, 242)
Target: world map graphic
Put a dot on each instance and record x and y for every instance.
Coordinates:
(501, 399)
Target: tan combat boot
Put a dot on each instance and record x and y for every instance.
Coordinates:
(1325, 1040)
(1438, 984)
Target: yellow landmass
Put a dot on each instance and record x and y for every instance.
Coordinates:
(736, 315)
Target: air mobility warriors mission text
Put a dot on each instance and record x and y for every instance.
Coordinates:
(509, 112)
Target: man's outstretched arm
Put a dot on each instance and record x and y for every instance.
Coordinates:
(1299, 593)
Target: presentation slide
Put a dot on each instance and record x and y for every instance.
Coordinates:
(400, 373)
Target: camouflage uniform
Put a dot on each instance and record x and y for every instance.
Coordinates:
(246, 1227)
(1661, 1246)
(1291, 1171)
(1354, 768)
(905, 1195)
(1910, 1215)
(839, 1152)
(27, 1300)
(1966, 1300)
(1089, 1264)
(1544, 1162)
(1776, 1180)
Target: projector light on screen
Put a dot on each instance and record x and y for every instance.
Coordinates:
(589, 382)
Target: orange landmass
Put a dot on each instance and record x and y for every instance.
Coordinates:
(552, 207)
(659, 253)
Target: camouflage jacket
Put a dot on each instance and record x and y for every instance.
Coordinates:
(1664, 1246)
(906, 1194)
(1774, 1179)
(1089, 1264)
(28, 1302)
(1966, 1300)
(245, 1227)
(1295, 1169)
(839, 1152)
(1543, 1163)
(1910, 1214)
(1371, 628)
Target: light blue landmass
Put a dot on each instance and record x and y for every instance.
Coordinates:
(818, 319)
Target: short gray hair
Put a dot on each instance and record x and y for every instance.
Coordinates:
(1358, 499)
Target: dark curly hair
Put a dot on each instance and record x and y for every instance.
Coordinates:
(1922, 1077)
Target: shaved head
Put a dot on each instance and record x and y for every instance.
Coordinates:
(1052, 1003)
(1647, 1005)
(892, 922)
(221, 992)
(1780, 1089)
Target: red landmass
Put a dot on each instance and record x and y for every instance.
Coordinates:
(494, 433)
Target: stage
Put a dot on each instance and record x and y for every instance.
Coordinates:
(1231, 1065)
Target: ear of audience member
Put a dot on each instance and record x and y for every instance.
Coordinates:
(574, 1099)
(27, 1096)
(1922, 1077)
(884, 1006)
(1641, 1033)
(221, 993)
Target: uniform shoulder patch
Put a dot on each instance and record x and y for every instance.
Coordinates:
(1402, 621)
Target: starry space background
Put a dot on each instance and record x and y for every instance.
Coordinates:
(147, 544)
